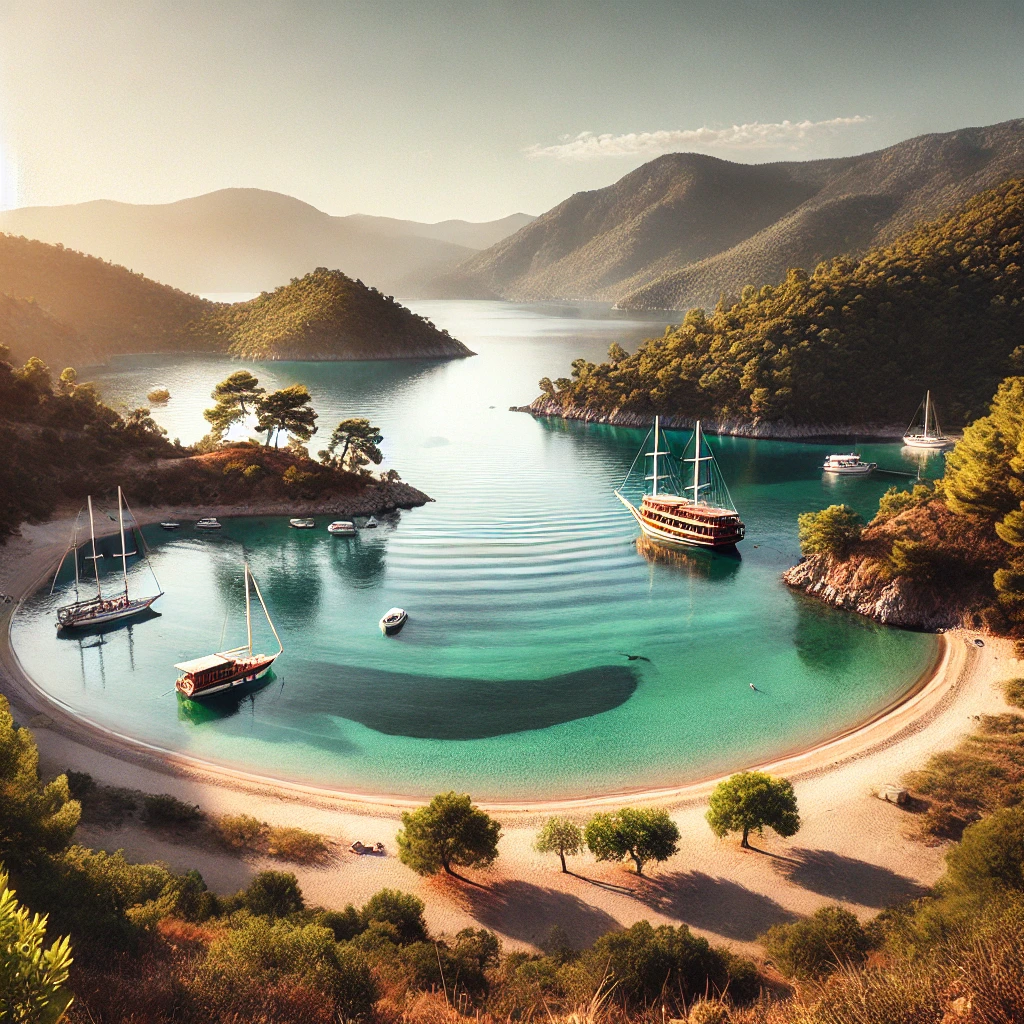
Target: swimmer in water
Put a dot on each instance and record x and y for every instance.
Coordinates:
(754, 688)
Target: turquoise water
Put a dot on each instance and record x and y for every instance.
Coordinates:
(525, 589)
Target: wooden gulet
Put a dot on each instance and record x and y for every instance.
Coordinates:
(101, 610)
(227, 670)
(687, 520)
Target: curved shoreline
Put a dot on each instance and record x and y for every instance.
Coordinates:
(907, 714)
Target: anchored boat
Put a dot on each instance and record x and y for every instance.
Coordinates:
(702, 515)
(848, 465)
(215, 673)
(101, 609)
(929, 437)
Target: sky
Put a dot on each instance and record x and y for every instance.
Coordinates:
(436, 109)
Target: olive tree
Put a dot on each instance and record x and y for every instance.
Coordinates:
(749, 801)
(449, 831)
(642, 834)
(561, 836)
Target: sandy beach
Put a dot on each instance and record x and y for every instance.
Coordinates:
(852, 848)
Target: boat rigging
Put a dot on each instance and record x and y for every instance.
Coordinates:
(932, 439)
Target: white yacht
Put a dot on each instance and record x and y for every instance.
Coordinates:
(929, 436)
(208, 524)
(342, 528)
(848, 465)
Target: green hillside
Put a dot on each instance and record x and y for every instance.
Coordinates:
(69, 308)
(856, 341)
(327, 315)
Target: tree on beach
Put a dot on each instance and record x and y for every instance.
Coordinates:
(449, 831)
(286, 410)
(748, 801)
(352, 445)
(561, 836)
(642, 834)
(236, 398)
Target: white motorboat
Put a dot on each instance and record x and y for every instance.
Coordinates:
(848, 465)
(342, 528)
(302, 524)
(371, 524)
(393, 621)
(170, 525)
(930, 436)
(208, 524)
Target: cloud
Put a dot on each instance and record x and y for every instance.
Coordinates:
(754, 136)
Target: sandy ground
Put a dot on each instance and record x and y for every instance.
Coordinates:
(852, 848)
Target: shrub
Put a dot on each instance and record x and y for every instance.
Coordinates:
(80, 784)
(896, 500)
(252, 472)
(345, 924)
(814, 947)
(296, 844)
(833, 531)
(240, 831)
(164, 809)
(991, 853)
(273, 894)
(400, 909)
(1014, 689)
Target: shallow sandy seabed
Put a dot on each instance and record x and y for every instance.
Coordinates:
(853, 848)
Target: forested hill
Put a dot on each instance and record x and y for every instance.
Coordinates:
(71, 309)
(681, 230)
(113, 309)
(942, 307)
(327, 315)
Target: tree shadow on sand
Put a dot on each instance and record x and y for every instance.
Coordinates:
(847, 878)
(716, 904)
(528, 912)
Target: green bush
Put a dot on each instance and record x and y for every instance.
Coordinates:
(273, 894)
(296, 844)
(164, 809)
(400, 909)
(833, 531)
(345, 924)
(240, 831)
(1014, 689)
(830, 938)
(991, 853)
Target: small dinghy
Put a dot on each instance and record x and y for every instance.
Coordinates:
(208, 524)
(371, 524)
(169, 525)
(393, 621)
(342, 528)
(302, 524)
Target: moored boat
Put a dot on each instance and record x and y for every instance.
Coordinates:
(393, 620)
(102, 609)
(302, 524)
(705, 517)
(371, 524)
(170, 525)
(848, 465)
(210, 523)
(342, 528)
(226, 670)
(928, 437)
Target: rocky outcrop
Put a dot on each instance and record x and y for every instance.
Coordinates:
(954, 578)
(736, 428)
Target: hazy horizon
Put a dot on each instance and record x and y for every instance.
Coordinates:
(471, 110)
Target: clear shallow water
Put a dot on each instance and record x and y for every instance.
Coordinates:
(525, 589)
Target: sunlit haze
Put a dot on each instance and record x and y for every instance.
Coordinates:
(471, 108)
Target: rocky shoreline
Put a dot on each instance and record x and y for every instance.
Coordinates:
(763, 429)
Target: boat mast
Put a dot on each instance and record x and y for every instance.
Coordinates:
(657, 420)
(74, 545)
(248, 612)
(95, 557)
(696, 463)
(927, 410)
(270, 621)
(124, 549)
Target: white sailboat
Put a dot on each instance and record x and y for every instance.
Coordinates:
(225, 670)
(101, 609)
(929, 437)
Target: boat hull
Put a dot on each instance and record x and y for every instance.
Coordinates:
(87, 619)
(251, 671)
(927, 443)
(862, 470)
(680, 536)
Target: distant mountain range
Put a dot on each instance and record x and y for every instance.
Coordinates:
(247, 239)
(681, 230)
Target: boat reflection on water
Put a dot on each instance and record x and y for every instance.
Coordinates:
(222, 705)
(700, 563)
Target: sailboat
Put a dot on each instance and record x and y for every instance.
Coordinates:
(704, 517)
(215, 673)
(930, 437)
(101, 609)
